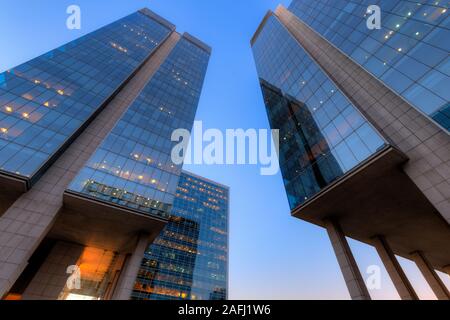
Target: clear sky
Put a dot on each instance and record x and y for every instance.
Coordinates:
(272, 255)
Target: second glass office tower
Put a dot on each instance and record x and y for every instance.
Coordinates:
(322, 134)
(363, 117)
(189, 259)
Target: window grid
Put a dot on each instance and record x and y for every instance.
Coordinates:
(410, 53)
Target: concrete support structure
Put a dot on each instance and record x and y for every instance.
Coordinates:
(51, 277)
(30, 218)
(431, 276)
(395, 271)
(128, 277)
(352, 275)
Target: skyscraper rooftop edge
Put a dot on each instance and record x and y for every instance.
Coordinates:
(197, 42)
(149, 13)
(260, 27)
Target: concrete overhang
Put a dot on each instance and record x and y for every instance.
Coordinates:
(104, 225)
(378, 198)
(12, 183)
(11, 188)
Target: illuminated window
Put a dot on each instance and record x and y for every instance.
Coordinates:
(73, 296)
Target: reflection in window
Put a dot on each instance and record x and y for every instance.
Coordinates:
(407, 53)
(43, 102)
(323, 136)
(133, 167)
(188, 260)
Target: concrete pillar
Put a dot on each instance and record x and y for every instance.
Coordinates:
(431, 276)
(129, 273)
(353, 278)
(115, 276)
(395, 271)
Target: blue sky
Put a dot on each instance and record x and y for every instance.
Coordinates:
(272, 255)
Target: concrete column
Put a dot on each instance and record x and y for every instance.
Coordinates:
(50, 280)
(431, 276)
(115, 272)
(395, 271)
(353, 279)
(129, 273)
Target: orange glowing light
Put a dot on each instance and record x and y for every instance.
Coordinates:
(94, 263)
(13, 296)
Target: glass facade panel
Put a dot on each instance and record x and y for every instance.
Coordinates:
(323, 135)
(133, 166)
(409, 53)
(189, 260)
(44, 102)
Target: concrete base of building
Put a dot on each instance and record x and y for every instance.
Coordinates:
(98, 224)
(50, 279)
(352, 275)
(390, 204)
(69, 271)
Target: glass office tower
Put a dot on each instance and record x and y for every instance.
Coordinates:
(323, 136)
(47, 100)
(189, 259)
(363, 119)
(86, 177)
(410, 53)
(133, 166)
